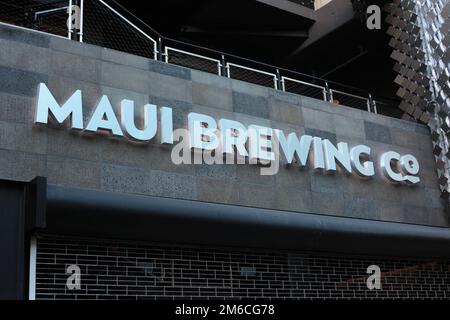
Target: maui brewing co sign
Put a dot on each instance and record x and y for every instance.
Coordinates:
(226, 137)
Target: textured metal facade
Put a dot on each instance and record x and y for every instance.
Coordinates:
(420, 38)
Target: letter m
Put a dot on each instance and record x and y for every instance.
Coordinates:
(72, 107)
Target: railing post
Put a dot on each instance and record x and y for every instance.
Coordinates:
(81, 20)
(69, 21)
(223, 67)
(328, 94)
(160, 56)
(372, 104)
(279, 82)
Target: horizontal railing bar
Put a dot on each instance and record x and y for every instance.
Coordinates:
(283, 78)
(348, 94)
(131, 24)
(251, 69)
(191, 54)
(219, 62)
(236, 56)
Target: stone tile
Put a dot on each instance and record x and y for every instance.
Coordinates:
(285, 112)
(248, 120)
(21, 166)
(172, 185)
(249, 88)
(377, 132)
(349, 128)
(211, 96)
(116, 96)
(391, 211)
(253, 105)
(71, 144)
(293, 200)
(322, 134)
(146, 156)
(326, 183)
(16, 108)
(286, 97)
(23, 137)
(376, 118)
(15, 81)
(317, 104)
(420, 197)
(328, 203)
(62, 88)
(124, 58)
(169, 87)
(210, 79)
(438, 218)
(24, 57)
(217, 171)
(404, 124)
(73, 173)
(217, 114)
(404, 138)
(428, 178)
(180, 110)
(251, 173)
(218, 191)
(415, 215)
(315, 119)
(252, 195)
(74, 47)
(148, 182)
(25, 36)
(124, 77)
(169, 69)
(75, 66)
(293, 178)
(422, 129)
(347, 112)
(361, 208)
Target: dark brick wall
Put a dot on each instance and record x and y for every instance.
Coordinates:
(115, 270)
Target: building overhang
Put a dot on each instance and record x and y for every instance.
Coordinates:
(89, 213)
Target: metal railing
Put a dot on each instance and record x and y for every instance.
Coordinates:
(112, 26)
(304, 88)
(243, 73)
(192, 60)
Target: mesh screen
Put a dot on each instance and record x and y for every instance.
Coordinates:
(303, 89)
(350, 101)
(47, 16)
(255, 77)
(102, 27)
(193, 62)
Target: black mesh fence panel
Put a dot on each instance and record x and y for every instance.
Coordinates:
(304, 89)
(103, 27)
(350, 100)
(192, 61)
(47, 16)
(253, 76)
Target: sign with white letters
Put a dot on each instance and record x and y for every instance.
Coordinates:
(214, 140)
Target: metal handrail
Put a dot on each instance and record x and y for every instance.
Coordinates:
(162, 53)
(131, 24)
(166, 54)
(229, 64)
(367, 100)
(283, 85)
